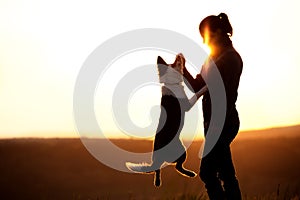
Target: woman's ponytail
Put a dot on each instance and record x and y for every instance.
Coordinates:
(225, 25)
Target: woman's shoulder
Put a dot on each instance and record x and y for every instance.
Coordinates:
(232, 57)
(234, 54)
(232, 60)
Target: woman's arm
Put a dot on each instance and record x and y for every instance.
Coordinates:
(194, 84)
(189, 103)
(197, 95)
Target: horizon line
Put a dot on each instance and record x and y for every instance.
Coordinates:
(242, 133)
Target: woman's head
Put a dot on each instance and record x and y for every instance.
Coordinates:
(215, 30)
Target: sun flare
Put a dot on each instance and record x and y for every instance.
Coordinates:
(207, 49)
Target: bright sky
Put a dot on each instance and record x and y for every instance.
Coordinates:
(43, 45)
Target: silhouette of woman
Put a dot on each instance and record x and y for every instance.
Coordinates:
(217, 166)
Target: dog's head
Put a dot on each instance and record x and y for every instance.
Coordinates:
(178, 64)
(171, 73)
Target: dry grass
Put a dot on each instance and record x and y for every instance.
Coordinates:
(63, 169)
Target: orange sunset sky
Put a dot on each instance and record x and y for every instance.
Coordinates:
(44, 44)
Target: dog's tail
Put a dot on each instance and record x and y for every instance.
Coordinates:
(140, 167)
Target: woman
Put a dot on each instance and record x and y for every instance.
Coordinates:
(217, 167)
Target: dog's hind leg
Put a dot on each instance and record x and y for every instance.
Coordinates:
(157, 178)
(179, 167)
(157, 163)
(185, 172)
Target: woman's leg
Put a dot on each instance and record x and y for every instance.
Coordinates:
(209, 175)
(227, 175)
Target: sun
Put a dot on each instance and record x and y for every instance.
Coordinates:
(207, 49)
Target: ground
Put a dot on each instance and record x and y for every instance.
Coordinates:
(267, 164)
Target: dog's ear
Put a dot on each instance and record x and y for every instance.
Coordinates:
(160, 60)
(162, 66)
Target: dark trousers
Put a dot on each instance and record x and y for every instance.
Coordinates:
(217, 169)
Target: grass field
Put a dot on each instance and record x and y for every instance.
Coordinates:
(267, 164)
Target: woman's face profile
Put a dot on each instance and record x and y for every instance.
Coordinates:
(211, 38)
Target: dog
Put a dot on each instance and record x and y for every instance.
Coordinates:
(167, 145)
